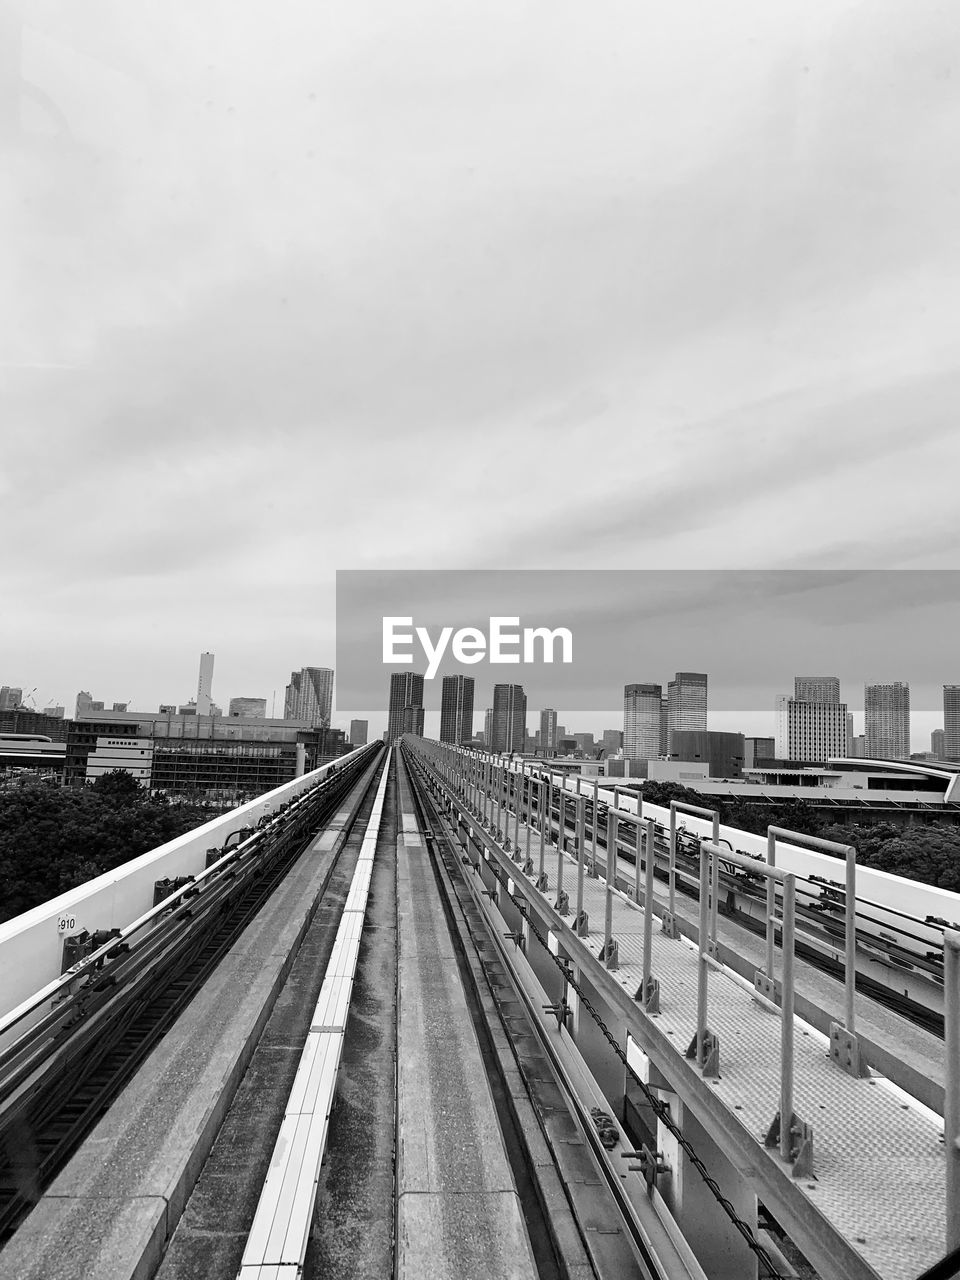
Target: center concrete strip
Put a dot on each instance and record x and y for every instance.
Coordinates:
(110, 1212)
(458, 1213)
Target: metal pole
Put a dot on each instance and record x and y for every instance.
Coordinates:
(850, 941)
(647, 906)
(951, 1102)
(581, 851)
(771, 905)
(702, 943)
(517, 805)
(715, 882)
(562, 802)
(543, 823)
(593, 856)
(636, 866)
(786, 1018)
(529, 812)
(672, 874)
(611, 880)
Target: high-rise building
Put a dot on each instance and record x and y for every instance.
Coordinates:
(456, 709)
(411, 720)
(858, 748)
(205, 684)
(248, 708)
(664, 726)
(406, 694)
(309, 696)
(585, 743)
(849, 733)
(612, 741)
(936, 743)
(85, 704)
(886, 711)
(358, 733)
(10, 698)
(686, 704)
(756, 749)
(509, 718)
(488, 728)
(951, 721)
(816, 688)
(810, 731)
(641, 721)
(548, 731)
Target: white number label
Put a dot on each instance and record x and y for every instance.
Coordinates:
(67, 924)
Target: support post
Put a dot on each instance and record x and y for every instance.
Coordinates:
(651, 986)
(951, 1108)
(580, 920)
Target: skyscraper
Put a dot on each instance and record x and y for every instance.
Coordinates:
(936, 743)
(309, 696)
(641, 721)
(456, 709)
(816, 688)
(205, 684)
(548, 731)
(664, 726)
(951, 721)
(509, 718)
(810, 731)
(406, 696)
(686, 703)
(358, 733)
(886, 711)
(488, 728)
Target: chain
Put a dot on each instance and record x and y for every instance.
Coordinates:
(657, 1105)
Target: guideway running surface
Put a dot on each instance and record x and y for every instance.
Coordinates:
(878, 1159)
(458, 1213)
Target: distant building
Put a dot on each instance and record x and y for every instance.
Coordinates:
(816, 688)
(34, 722)
(132, 755)
(641, 721)
(585, 743)
(56, 713)
(886, 709)
(488, 728)
(309, 695)
(406, 696)
(664, 744)
(548, 731)
(936, 743)
(358, 733)
(858, 749)
(86, 705)
(120, 706)
(612, 741)
(509, 718)
(686, 703)
(756, 749)
(951, 721)
(849, 733)
(10, 697)
(810, 731)
(723, 753)
(205, 684)
(456, 709)
(247, 708)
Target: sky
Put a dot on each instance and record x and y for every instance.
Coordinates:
(290, 289)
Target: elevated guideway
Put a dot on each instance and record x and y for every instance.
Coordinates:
(707, 1052)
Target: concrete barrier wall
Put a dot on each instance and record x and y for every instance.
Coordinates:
(31, 944)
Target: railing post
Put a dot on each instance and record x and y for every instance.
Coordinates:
(517, 806)
(609, 946)
(593, 855)
(580, 920)
(561, 903)
(702, 966)
(786, 1019)
(715, 886)
(650, 991)
(951, 1107)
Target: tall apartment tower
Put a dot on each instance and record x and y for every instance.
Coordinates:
(641, 721)
(886, 713)
(509, 718)
(951, 721)
(664, 726)
(810, 731)
(488, 728)
(406, 700)
(358, 733)
(816, 688)
(936, 743)
(456, 709)
(686, 703)
(548, 731)
(309, 696)
(205, 684)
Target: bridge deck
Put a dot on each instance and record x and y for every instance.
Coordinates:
(878, 1156)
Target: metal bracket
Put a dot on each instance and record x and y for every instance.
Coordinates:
(650, 1164)
(650, 998)
(561, 1011)
(668, 925)
(711, 1053)
(764, 986)
(845, 1051)
(610, 954)
(517, 939)
(528, 867)
(562, 904)
(543, 882)
(801, 1144)
(581, 925)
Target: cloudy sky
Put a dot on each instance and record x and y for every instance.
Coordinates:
(292, 288)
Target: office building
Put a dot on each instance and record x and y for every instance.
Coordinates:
(509, 718)
(205, 684)
(756, 750)
(641, 721)
(309, 695)
(936, 744)
(849, 732)
(886, 711)
(456, 709)
(406, 695)
(358, 733)
(247, 708)
(810, 731)
(723, 753)
(22, 721)
(664, 726)
(10, 697)
(612, 741)
(56, 713)
(85, 705)
(585, 743)
(548, 731)
(686, 703)
(951, 721)
(488, 727)
(816, 688)
(858, 747)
